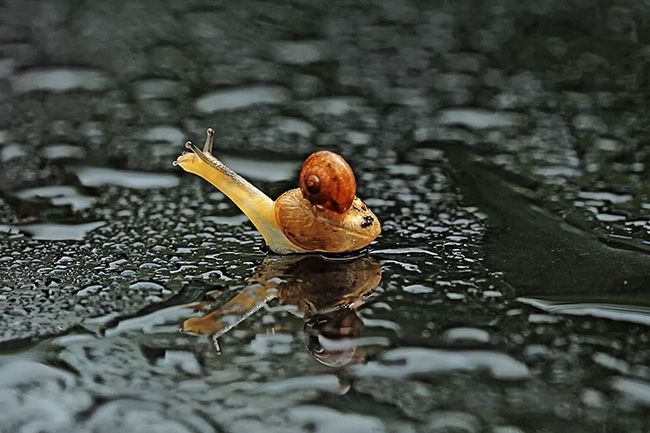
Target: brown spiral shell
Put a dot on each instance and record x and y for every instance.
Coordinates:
(327, 180)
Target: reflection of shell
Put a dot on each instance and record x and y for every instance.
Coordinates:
(327, 180)
(317, 285)
(314, 228)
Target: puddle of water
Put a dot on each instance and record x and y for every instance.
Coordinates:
(605, 196)
(557, 171)
(404, 170)
(58, 232)
(322, 420)
(407, 361)
(334, 106)
(636, 390)
(476, 118)
(100, 176)
(64, 151)
(416, 289)
(292, 125)
(608, 144)
(296, 52)
(47, 191)
(243, 97)
(589, 122)
(324, 382)
(158, 88)
(58, 196)
(234, 220)
(7, 67)
(166, 134)
(12, 151)
(20, 371)
(164, 320)
(455, 421)
(59, 80)
(404, 251)
(357, 138)
(467, 335)
(618, 312)
(609, 217)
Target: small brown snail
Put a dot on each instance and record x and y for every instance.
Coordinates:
(323, 215)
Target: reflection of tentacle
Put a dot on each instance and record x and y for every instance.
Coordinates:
(220, 321)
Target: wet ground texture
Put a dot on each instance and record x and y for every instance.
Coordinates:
(504, 146)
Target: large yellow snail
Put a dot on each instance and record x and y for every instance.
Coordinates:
(323, 215)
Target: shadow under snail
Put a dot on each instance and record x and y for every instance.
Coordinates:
(323, 215)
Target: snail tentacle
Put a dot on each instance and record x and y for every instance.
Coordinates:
(209, 139)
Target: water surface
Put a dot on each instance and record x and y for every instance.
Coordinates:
(503, 146)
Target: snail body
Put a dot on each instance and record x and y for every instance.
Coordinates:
(323, 215)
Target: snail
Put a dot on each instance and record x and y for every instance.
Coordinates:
(325, 292)
(323, 215)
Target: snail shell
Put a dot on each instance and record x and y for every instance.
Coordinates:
(327, 180)
(324, 214)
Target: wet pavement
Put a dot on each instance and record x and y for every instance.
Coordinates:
(503, 145)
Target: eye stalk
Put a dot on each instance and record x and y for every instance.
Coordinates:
(323, 215)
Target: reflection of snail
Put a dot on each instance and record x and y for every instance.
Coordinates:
(323, 215)
(324, 291)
